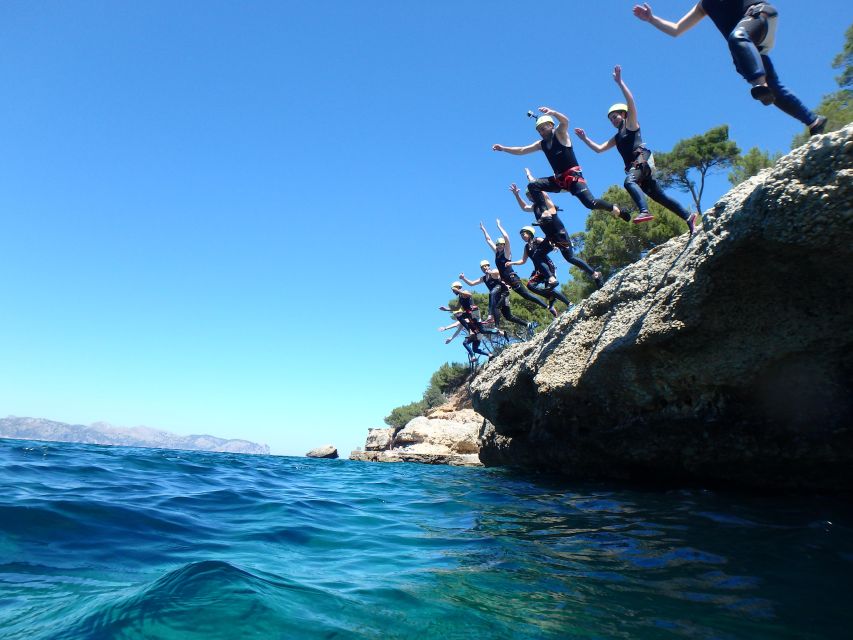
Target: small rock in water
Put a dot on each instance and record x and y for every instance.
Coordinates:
(327, 451)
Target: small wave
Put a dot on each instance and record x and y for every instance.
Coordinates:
(207, 599)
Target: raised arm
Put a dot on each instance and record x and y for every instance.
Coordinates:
(562, 120)
(562, 130)
(519, 151)
(488, 239)
(470, 282)
(633, 121)
(507, 247)
(674, 29)
(521, 203)
(598, 148)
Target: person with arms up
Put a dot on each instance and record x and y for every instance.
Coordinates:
(639, 163)
(543, 281)
(553, 129)
(503, 254)
(554, 230)
(498, 295)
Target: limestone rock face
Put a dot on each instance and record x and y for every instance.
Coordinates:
(724, 358)
(448, 435)
(379, 439)
(327, 451)
(456, 435)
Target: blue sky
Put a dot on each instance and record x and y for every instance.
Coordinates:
(238, 218)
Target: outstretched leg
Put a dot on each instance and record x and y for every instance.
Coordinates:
(568, 253)
(518, 287)
(507, 312)
(549, 293)
(657, 194)
(788, 102)
(632, 186)
(535, 189)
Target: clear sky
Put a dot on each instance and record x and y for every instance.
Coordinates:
(238, 218)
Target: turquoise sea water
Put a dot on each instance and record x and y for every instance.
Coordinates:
(101, 542)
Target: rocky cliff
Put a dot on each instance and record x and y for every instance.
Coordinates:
(103, 433)
(725, 358)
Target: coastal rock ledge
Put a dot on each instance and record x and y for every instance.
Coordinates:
(724, 359)
(448, 435)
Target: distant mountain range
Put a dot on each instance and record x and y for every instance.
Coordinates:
(103, 433)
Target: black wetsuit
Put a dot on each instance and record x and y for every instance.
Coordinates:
(466, 302)
(567, 176)
(640, 177)
(746, 25)
(510, 277)
(555, 232)
(537, 250)
(538, 284)
(474, 328)
(499, 300)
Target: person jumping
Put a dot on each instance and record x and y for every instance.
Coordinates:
(498, 295)
(750, 28)
(466, 320)
(554, 230)
(471, 341)
(503, 254)
(543, 281)
(638, 158)
(557, 147)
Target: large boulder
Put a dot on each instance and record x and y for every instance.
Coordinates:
(725, 358)
(379, 439)
(455, 435)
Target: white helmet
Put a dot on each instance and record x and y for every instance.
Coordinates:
(619, 106)
(544, 119)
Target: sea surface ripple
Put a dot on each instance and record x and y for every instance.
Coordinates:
(111, 542)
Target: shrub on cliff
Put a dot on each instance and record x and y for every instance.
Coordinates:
(448, 378)
(401, 415)
(442, 383)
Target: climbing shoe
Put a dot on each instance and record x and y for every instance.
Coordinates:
(644, 216)
(818, 126)
(763, 94)
(599, 281)
(691, 222)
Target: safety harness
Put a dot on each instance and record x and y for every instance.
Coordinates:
(570, 176)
